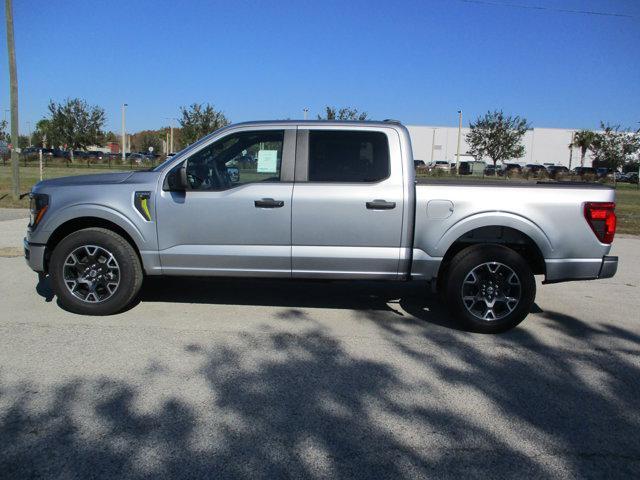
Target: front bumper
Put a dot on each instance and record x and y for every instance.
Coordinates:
(34, 255)
(567, 270)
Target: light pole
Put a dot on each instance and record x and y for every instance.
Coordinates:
(5, 113)
(29, 130)
(433, 144)
(459, 134)
(124, 134)
(305, 111)
(573, 139)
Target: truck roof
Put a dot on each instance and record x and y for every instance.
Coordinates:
(353, 123)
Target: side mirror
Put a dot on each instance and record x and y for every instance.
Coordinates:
(176, 180)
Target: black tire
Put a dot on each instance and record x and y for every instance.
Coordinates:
(129, 272)
(484, 288)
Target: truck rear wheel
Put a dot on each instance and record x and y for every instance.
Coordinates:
(490, 288)
(95, 271)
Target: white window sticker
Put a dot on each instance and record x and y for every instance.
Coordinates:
(268, 161)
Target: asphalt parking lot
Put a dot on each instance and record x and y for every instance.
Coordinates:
(273, 379)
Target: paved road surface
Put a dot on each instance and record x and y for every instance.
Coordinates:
(265, 379)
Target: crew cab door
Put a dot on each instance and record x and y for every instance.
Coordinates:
(235, 216)
(347, 203)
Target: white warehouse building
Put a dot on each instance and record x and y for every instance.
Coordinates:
(542, 145)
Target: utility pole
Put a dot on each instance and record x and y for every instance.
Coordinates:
(305, 110)
(13, 82)
(459, 134)
(29, 130)
(124, 134)
(171, 119)
(5, 113)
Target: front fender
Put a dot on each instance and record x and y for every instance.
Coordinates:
(83, 210)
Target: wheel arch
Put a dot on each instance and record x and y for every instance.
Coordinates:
(507, 236)
(80, 223)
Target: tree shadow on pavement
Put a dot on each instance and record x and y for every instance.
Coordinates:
(310, 405)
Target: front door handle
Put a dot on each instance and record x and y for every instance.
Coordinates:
(381, 205)
(268, 203)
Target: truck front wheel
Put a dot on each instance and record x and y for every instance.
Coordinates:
(490, 288)
(95, 271)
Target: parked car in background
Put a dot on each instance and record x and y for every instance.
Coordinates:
(582, 171)
(490, 170)
(465, 168)
(534, 169)
(325, 200)
(439, 165)
(557, 170)
(29, 151)
(471, 168)
(632, 177)
(511, 169)
(602, 172)
(419, 163)
(95, 154)
(137, 157)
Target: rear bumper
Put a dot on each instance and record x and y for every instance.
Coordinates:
(34, 255)
(609, 267)
(566, 270)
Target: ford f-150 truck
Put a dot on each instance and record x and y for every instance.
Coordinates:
(322, 200)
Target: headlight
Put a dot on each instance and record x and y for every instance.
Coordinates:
(39, 202)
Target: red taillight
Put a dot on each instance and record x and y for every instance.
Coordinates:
(601, 217)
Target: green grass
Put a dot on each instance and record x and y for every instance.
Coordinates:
(627, 196)
(628, 209)
(29, 176)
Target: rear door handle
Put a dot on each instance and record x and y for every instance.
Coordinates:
(268, 203)
(381, 205)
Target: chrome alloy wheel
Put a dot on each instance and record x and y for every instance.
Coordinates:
(491, 291)
(91, 273)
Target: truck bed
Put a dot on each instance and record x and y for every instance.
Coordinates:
(549, 214)
(500, 182)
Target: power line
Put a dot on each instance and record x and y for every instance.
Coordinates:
(553, 9)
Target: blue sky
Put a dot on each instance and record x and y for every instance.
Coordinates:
(416, 61)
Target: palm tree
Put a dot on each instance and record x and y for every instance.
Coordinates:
(583, 140)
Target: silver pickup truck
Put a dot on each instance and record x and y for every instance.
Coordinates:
(322, 200)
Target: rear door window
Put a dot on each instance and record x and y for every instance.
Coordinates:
(348, 156)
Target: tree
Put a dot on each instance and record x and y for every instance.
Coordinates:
(141, 141)
(4, 136)
(199, 120)
(13, 87)
(345, 113)
(75, 124)
(583, 140)
(41, 136)
(497, 136)
(613, 147)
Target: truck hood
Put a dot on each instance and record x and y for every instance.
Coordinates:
(81, 180)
